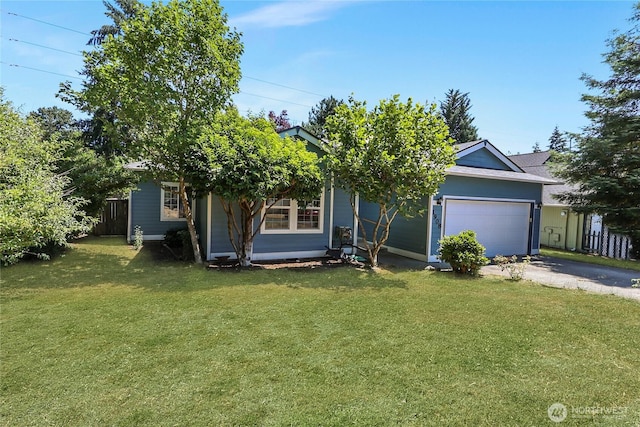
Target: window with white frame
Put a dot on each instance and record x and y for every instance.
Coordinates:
(171, 208)
(293, 216)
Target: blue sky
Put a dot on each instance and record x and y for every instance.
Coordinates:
(520, 61)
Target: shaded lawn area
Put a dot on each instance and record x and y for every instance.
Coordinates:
(107, 336)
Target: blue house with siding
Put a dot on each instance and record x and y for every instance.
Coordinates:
(290, 229)
(484, 192)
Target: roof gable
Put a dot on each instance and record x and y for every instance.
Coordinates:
(484, 155)
(301, 133)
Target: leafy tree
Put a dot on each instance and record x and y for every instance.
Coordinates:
(280, 122)
(319, 114)
(118, 12)
(455, 111)
(165, 77)
(605, 169)
(255, 168)
(557, 141)
(92, 177)
(34, 208)
(393, 156)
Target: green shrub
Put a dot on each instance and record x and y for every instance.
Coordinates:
(463, 252)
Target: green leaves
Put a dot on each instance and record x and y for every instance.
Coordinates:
(250, 164)
(605, 170)
(33, 209)
(393, 156)
(168, 73)
(164, 77)
(253, 162)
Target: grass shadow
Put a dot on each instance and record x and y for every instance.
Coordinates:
(96, 261)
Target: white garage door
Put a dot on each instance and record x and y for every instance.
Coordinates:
(501, 227)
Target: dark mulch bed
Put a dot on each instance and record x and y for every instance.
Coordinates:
(301, 263)
(161, 253)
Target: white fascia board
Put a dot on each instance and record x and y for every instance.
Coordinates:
(498, 175)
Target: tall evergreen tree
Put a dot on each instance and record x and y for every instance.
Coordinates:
(557, 141)
(319, 114)
(455, 111)
(118, 12)
(605, 168)
(536, 147)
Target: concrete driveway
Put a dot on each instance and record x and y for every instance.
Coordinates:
(561, 273)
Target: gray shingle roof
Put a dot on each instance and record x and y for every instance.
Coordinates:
(530, 159)
(465, 145)
(536, 164)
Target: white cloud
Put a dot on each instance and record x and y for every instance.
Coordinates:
(287, 14)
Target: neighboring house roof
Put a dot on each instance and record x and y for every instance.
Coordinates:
(536, 164)
(137, 166)
(531, 159)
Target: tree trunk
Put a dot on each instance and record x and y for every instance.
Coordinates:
(247, 234)
(197, 257)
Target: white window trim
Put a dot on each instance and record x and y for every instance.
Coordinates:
(163, 218)
(293, 220)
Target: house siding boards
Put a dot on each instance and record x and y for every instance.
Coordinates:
(145, 208)
(145, 211)
(408, 235)
(482, 159)
(269, 246)
(220, 244)
(484, 177)
(342, 211)
(460, 187)
(561, 231)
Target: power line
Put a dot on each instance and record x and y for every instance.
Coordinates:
(79, 78)
(275, 99)
(81, 32)
(49, 23)
(46, 47)
(40, 70)
(281, 85)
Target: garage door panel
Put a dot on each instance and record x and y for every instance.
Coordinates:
(501, 227)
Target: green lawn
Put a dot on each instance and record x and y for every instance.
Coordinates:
(591, 259)
(107, 336)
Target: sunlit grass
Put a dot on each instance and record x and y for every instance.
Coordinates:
(591, 259)
(107, 336)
